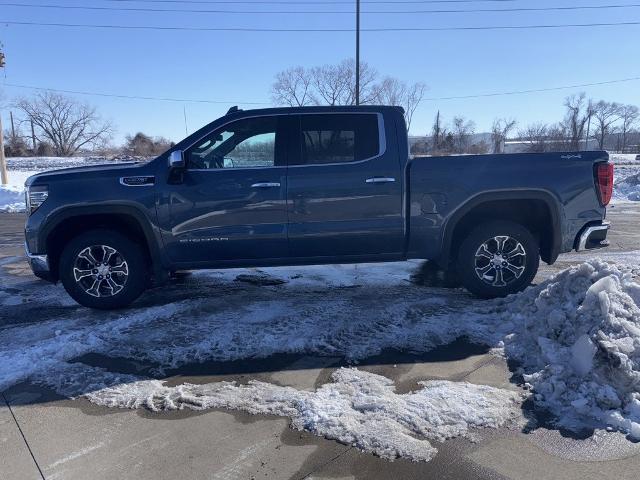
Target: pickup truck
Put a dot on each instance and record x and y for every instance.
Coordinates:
(311, 185)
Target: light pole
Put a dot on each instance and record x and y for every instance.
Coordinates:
(3, 164)
(357, 52)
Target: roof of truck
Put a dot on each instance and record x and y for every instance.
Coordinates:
(312, 109)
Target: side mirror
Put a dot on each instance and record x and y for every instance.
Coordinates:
(176, 160)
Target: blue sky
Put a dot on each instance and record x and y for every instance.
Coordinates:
(239, 67)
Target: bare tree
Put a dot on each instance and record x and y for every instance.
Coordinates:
(462, 130)
(499, 131)
(436, 132)
(368, 78)
(578, 113)
(391, 91)
(141, 145)
(292, 87)
(629, 115)
(336, 84)
(15, 144)
(332, 84)
(536, 135)
(605, 115)
(65, 123)
(414, 96)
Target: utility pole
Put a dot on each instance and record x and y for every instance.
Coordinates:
(589, 115)
(357, 52)
(13, 128)
(33, 136)
(3, 163)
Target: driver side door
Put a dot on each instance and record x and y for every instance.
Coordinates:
(231, 204)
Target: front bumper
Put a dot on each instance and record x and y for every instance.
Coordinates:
(39, 264)
(593, 236)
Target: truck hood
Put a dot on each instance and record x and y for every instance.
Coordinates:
(93, 171)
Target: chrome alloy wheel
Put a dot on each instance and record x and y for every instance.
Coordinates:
(499, 261)
(101, 271)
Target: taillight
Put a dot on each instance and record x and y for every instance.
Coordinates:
(604, 182)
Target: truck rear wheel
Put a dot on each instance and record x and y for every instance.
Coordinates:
(103, 269)
(498, 259)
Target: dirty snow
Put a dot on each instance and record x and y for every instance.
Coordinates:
(575, 337)
(358, 408)
(628, 185)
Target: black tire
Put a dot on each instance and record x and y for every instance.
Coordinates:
(124, 289)
(516, 274)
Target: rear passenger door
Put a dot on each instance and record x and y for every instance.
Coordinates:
(344, 187)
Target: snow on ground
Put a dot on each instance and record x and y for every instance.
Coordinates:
(577, 339)
(358, 408)
(11, 198)
(575, 336)
(627, 185)
(624, 159)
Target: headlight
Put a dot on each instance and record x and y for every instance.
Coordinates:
(36, 195)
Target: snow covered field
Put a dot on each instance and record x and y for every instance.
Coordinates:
(19, 169)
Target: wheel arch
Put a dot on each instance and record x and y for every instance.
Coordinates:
(127, 220)
(537, 210)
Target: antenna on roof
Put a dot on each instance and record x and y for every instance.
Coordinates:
(233, 109)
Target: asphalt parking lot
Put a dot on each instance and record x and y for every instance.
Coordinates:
(46, 435)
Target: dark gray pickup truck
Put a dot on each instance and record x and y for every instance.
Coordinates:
(311, 185)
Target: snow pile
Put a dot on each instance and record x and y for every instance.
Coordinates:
(358, 408)
(577, 338)
(628, 188)
(12, 198)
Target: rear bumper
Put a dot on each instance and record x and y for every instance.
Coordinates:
(39, 264)
(592, 236)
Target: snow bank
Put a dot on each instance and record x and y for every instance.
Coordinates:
(358, 408)
(577, 338)
(11, 198)
(628, 188)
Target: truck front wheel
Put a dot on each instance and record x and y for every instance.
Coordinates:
(103, 269)
(498, 259)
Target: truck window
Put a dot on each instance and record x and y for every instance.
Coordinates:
(338, 138)
(245, 143)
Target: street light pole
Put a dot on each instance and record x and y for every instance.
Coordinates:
(357, 52)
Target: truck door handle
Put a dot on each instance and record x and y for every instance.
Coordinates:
(266, 185)
(380, 180)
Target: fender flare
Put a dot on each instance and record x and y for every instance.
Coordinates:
(453, 219)
(153, 238)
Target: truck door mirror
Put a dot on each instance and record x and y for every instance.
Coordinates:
(176, 160)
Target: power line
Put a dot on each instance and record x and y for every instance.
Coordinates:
(133, 97)
(298, 2)
(315, 12)
(315, 30)
(535, 90)
(230, 102)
